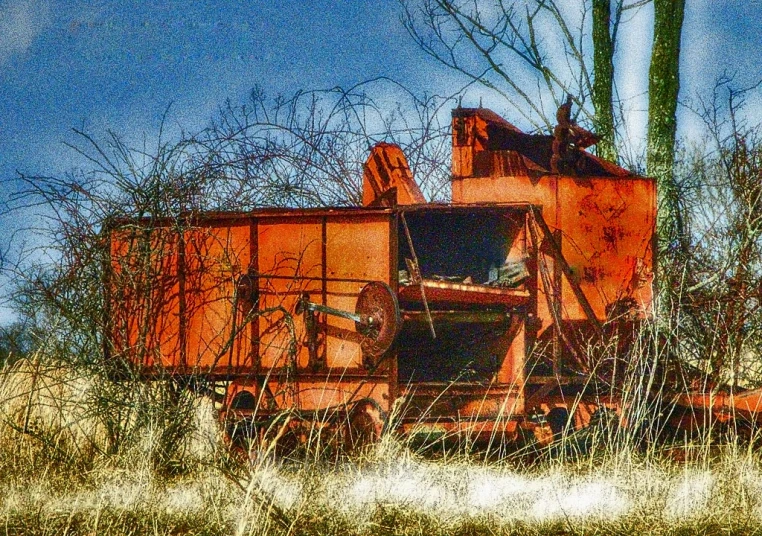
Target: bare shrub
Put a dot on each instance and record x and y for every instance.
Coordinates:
(715, 285)
(307, 150)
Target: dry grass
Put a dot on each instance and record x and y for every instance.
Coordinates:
(63, 470)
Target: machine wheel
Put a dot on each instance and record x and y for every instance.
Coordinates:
(364, 426)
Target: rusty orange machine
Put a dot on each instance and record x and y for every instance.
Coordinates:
(474, 317)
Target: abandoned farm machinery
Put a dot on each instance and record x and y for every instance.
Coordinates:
(513, 308)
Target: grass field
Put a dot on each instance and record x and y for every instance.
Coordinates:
(78, 456)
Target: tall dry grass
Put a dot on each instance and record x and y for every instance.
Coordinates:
(76, 415)
(63, 469)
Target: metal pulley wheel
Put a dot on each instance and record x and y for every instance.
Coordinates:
(377, 318)
(380, 319)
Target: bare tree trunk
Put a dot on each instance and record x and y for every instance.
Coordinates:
(663, 88)
(603, 81)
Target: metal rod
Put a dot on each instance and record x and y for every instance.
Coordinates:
(459, 317)
(553, 304)
(559, 257)
(418, 275)
(336, 312)
(308, 278)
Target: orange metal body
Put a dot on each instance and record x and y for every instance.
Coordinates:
(525, 261)
(603, 217)
(218, 301)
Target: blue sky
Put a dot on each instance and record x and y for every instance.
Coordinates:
(119, 65)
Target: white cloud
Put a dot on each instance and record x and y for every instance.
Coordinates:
(20, 23)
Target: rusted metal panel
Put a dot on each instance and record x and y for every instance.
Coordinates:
(334, 393)
(387, 179)
(357, 249)
(342, 341)
(217, 335)
(607, 231)
(290, 248)
(511, 369)
(145, 293)
(290, 258)
(174, 294)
